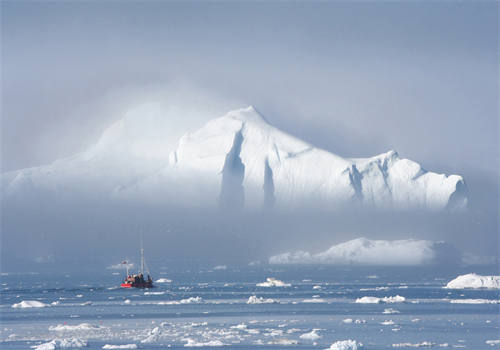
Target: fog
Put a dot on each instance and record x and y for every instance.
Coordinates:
(356, 79)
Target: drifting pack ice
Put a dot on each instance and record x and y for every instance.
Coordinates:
(238, 161)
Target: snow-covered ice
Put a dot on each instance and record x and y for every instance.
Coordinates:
(61, 344)
(376, 300)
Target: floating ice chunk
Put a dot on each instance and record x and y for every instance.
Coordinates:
(473, 280)
(283, 341)
(123, 346)
(474, 301)
(347, 320)
(253, 299)
(312, 335)
(29, 303)
(152, 337)
(273, 282)
(87, 303)
(316, 287)
(193, 343)
(314, 300)
(493, 342)
(414, 345)
(345, 345)
(127, 301)
(220, 267)
(154, 293)
(61, 344)
(163, 280)
(71, 328)
(390, 311)
(239, 326)
(375, 300)
(190, 300)
(387, 323)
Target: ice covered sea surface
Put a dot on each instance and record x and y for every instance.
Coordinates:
(206, 308)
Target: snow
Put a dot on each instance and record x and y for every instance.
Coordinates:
(29, 303)
(123, 346)
(345, 345)
(376, 300)
(61, 344)
(163, 280)
(253, 299)
(273, 282)
(475, 281)
(312, 335)
(363, 251)
(134, 158)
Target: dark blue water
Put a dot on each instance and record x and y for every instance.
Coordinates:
(202, 306)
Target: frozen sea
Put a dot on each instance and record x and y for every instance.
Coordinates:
(207, 308)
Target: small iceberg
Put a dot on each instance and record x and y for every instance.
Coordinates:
(312, 335)
(29, 303)
(163, 280)
(61, 343)
(346, 345)
(253, 299)
(124, 346)
(375, 300)
(273, 282)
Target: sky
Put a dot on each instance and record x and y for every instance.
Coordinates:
(355, 78)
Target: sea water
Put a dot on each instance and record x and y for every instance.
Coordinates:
(209, 308)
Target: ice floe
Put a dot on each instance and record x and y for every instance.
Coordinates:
(314, 300)
(194, 343)
(163, 280)
(253, 299)
(473, 280)
(493, 342)
(312, 335)
(29, 303)
(71, 328)
(376, 300)
(273, 282)
(123, 346)
(390, 311)
(345, 345)
(414, 345)
(190, 300)
(61, 344)
(474, 301)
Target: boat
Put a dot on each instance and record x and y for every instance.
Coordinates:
(137, 280)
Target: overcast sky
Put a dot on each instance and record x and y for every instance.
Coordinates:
(356, 78)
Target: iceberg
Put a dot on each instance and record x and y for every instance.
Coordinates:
(475, 281)
(238, 160)
(363, 251)
(312, 335)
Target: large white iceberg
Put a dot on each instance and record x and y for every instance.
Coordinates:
(237, 160)
(473, 280)
(29, 304)
(362, 251)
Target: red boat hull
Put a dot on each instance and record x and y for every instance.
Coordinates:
(137, 285)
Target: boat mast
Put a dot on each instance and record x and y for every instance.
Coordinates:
(142, 258)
